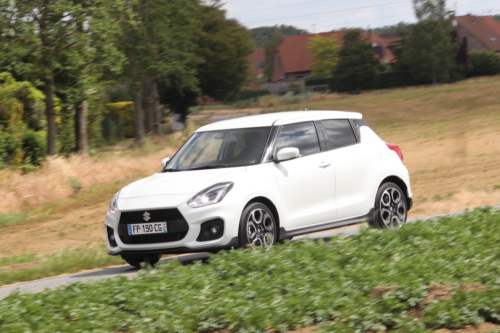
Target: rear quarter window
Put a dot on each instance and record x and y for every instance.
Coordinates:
(339, 133)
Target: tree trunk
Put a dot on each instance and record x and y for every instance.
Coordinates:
(50, 113)
(138, 120)
(156, 109)
(148, 107)
(81, 127)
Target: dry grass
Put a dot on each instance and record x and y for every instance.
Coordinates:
(60, 177)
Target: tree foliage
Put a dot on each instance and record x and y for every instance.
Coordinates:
(483, 63)
(42, 39)
(262, 35)
(357, 63)
(14, 95)
(325, 54)
(391, 29)
(270, 47)
(427, 49)
(223, 45)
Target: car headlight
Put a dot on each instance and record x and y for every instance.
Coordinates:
(114, 203)
(211, 195)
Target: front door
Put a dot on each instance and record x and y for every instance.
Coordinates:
(307, 183)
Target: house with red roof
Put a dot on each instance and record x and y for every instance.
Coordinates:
(480, 33)
(293, 60)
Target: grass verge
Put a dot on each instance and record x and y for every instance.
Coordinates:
(295, 285)
(67, 261)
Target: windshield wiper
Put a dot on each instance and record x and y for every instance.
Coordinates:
(213, 166)
(170, 170)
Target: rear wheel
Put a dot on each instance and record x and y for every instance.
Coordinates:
(257, 226)
(136, 259)
(390, 207)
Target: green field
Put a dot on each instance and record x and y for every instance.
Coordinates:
(335, 284)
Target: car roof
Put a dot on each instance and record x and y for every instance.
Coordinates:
(269, 119)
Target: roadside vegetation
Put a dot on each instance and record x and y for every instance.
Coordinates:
(19, 268)
(424, 276)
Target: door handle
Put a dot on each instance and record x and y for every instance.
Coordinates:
(324, 164)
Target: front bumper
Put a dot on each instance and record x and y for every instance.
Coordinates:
(227, 210)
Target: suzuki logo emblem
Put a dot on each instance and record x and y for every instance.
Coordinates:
(146, 216)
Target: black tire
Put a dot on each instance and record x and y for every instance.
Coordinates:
(136, 259)
(258, 220)
(391, 207)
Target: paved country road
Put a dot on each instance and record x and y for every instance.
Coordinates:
(129, 271)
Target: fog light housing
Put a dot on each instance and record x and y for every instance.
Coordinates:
(210, 230)
(111, 237)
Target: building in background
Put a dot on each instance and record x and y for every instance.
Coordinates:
(293, 60)
(478, 33)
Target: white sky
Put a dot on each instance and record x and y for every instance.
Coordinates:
(326, 15)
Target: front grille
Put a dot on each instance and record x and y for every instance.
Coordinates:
(159, 215)
(177, 226)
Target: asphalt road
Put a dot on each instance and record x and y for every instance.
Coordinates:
(129, 271)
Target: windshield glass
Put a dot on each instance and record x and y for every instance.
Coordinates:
(220, 149)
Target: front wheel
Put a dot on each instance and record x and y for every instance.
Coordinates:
(390, 207)
(136, 259)
(257, 227)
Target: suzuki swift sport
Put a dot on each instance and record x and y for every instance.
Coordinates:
(254, 181)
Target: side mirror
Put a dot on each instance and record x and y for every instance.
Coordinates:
(287, 154)
(165, 161)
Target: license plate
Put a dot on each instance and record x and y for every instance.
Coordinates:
(147, 228)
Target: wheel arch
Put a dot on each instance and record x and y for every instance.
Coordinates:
(398, 181)
(268, 203)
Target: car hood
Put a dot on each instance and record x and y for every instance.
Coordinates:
(180, 182)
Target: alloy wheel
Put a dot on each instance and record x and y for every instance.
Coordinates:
(260, 228)
(392, 208)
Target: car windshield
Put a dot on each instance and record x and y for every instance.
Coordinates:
(220, 149)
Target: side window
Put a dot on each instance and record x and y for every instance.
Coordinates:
(339, 133)
(302, 136)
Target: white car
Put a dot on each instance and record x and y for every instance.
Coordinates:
(257, 180)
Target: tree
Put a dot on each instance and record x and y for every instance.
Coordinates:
(270, 47)
(37, 34)
(262, 35)
(427, 48)
(13, 97)
(395, 29)
(325, 54)
(222, 47)
(357, 63)
(158, 42)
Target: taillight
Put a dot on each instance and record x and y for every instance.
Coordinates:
(396, 149)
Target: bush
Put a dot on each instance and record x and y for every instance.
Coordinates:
(118, 121)
(34, 147)
(318, 82)
(251, 94)
(483, 63)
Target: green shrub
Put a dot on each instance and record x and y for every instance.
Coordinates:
(118, 121)
(251, 94)
(34, 147)
(317, 82)
(483, 63)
